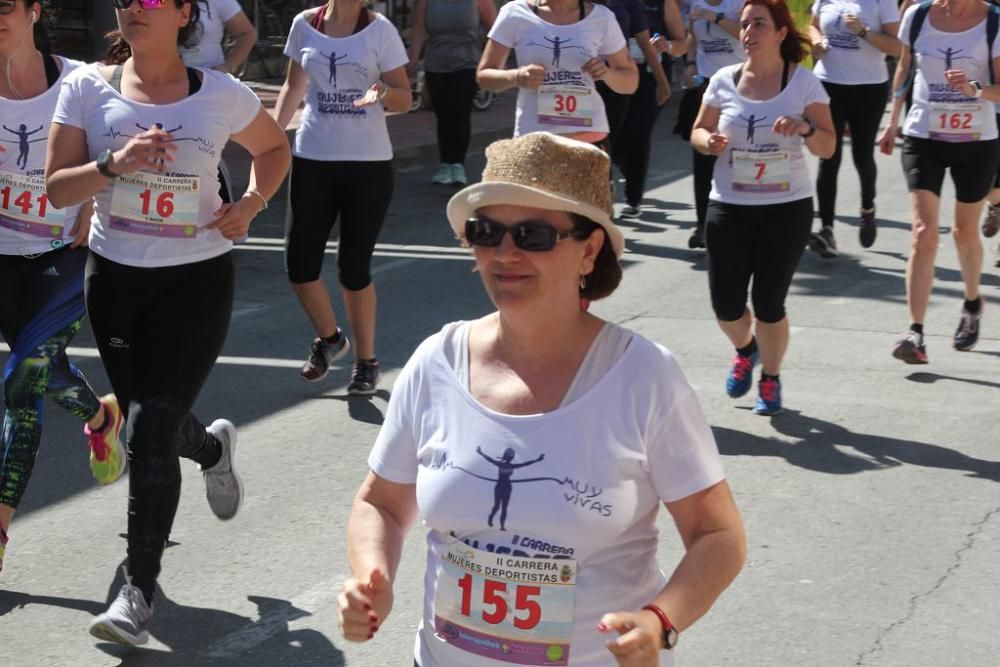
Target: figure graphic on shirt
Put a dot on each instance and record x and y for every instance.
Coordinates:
(752, 122)
(949, 56)
(503, 488)
(557, 48)
(24, 144)
(334, 59)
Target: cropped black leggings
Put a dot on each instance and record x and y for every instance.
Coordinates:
(451, 95)
(159, 332)
(760, 242)
(632, 151)
(859, 108)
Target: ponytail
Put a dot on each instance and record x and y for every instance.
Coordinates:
(119, 50)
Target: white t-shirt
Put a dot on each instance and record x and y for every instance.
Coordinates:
(851, 60)
(341, 70)
(938, 112)
(214, 15)
(759, 166)
(28, 223)
(567, 499)
(148, 219)
(716, 47)
(567, 101)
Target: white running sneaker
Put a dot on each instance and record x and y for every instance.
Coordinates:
(126, 620)
(458, 176)
(223, 485)
(443, 175)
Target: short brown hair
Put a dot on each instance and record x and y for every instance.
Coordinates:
(607, 273)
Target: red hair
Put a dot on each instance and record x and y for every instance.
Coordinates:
(793, 48)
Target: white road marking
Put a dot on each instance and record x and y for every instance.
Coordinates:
(269, 362)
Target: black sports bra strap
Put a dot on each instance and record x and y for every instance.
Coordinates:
(194, 81)
(784, 76)
(738, 74)
(51, 69)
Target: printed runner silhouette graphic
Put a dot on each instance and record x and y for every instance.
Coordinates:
(24, 144)
(334, 59)
(752, 122)
(558, 45)
(504, 486)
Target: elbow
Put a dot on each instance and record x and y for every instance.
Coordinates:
(55, 195)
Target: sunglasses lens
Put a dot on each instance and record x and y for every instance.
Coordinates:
(534, 236)
(121, 4)
(153, 4)
(7, 6)
(483, 233)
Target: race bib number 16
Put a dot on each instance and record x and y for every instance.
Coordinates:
(506, 608)
(156, 205)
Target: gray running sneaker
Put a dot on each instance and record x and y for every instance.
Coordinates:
(322, 355)
(126, 620)
(223, 486)
(364, 378)
(991, 225)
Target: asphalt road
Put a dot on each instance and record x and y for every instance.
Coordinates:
(872, 504)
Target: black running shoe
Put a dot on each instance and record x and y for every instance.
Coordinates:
(910, 348)
(364, 378)
(967, 333)
(697, 239)
(868, 230)
(822, 242)
(322, 355)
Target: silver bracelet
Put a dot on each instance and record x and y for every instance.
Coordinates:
(258, 196)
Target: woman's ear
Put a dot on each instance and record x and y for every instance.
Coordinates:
(591, 249)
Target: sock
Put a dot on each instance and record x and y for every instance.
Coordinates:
(765, 376)
(974, 306)
(368, 362)
(334, 338)
(750, 348)
(210, 452)
(917, 328)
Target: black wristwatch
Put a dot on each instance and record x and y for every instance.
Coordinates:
(104, 161)
(718, 17)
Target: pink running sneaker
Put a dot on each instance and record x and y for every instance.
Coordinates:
(107, 455)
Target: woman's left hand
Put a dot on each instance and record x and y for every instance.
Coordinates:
(958, 80)
(640, 638)
(596, 68)
(81, 227)
(789, 127)
(853, 24)
(233, 220)
(372, 96)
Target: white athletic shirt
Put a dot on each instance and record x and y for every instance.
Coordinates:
(716, 47)
(938, 112)
(214, 15)
(341, 70)
(567, 101)
(28, 223)
(759, 166)
(148, 219)
(850, 59)
(582, 486)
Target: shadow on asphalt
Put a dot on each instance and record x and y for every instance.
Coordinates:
(931, 378)
(361, 408)
(200, 636)
(819, 446)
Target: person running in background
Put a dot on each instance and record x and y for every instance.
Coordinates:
(342, 168)
(42, 256)
(160, 269)
(760, 207)
(850, 42)
(563, 48)
(219, 17)
(951, 126)
(448, 33)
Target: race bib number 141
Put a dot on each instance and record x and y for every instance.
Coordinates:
(24, 207)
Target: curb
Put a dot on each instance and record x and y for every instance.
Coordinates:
(426, 155)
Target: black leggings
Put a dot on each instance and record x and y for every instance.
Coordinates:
(762, 242)
(860, 108)
(632, 150)
(703, 165)
(159, 332)
(451, 95)
(616, 108)
(359, 192)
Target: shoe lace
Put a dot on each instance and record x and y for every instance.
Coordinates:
(741, 366)
(362, 372)
(769, 390)
(317, 354)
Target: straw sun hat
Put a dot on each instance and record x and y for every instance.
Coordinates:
(542, 170)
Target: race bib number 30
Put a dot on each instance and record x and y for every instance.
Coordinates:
(156, 205)
(24, 207)
(769, 171)
(955, 121)
(566, 105)
(516, 610)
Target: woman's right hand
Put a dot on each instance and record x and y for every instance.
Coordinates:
(529, 77)
(363, 606)
(819, 48)
(717, 143)
(149, 151)
(887, 140)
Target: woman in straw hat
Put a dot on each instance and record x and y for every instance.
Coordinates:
(575, 428)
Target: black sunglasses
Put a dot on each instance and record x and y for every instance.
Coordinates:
(532, 236)
(7, 6)
(145, 4)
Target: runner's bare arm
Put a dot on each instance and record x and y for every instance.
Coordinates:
(487, 14)
(705, 137)
(244, 36)
(492, 75)
(618, 71)
(292, 92)
(900, 84)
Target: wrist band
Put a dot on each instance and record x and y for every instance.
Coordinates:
(383, 91)
(669, 631)
(812, 131)
(258, 196)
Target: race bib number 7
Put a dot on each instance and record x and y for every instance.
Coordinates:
(156, 205)
(506, 608)
(761, 171)
(24, 207)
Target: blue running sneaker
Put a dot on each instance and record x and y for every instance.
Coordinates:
(741, 375)
(768, 397)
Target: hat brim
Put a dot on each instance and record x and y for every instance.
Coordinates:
(480, 195)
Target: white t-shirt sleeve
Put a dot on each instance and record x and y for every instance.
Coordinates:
(392, 52)
(680, 448)
(904, 26)
(293, 45)
(227, 8)
(713, 95)
(70, 107)
(246, 105)
(888, 11)
(614, 39)
(814, 91)
(504, 28)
